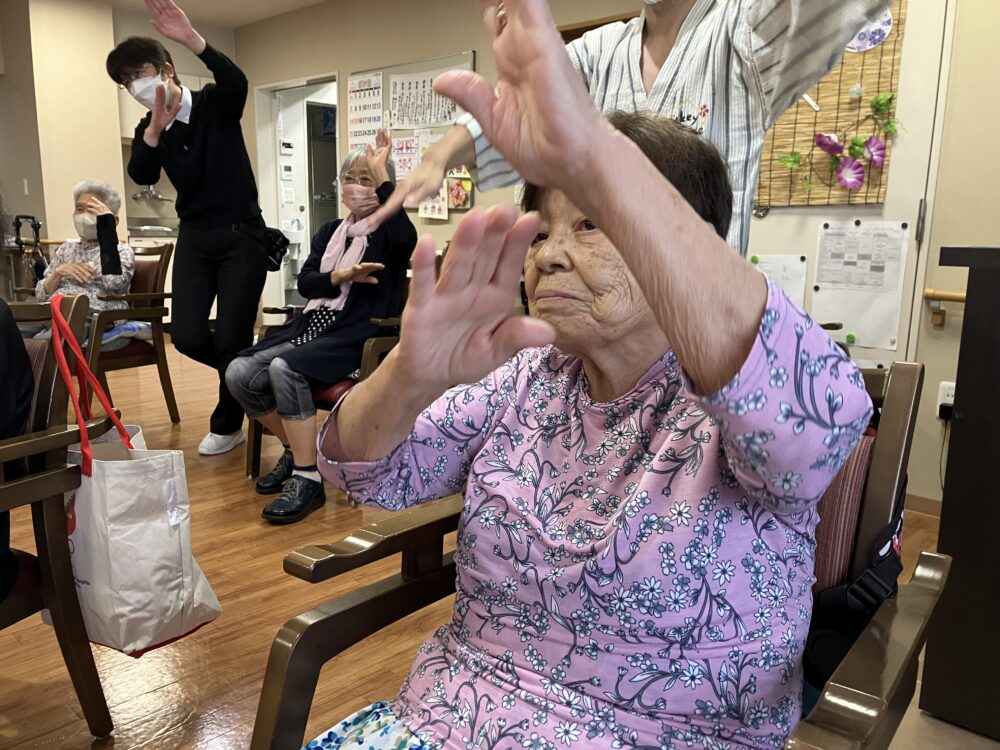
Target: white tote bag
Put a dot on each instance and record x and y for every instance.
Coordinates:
(130, 537)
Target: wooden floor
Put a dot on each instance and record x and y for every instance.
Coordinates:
(202, 691)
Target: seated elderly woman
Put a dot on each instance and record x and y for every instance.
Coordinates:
(348, 279)
(635, 555)
(96, 265)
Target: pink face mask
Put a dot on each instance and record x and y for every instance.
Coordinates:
(360, 200)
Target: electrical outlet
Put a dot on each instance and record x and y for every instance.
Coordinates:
(946, 395)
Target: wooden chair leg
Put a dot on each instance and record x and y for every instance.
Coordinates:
(164, 371)
(102, 378)
(59, 593)
(255, 439)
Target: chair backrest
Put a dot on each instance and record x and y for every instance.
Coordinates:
(859, 503)
(151, 264)
(50, 401)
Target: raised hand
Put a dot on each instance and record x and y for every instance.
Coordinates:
(539, 115)
(461, 327)
(174, 24)
(163, 113)
(360, 273)
(378, 158)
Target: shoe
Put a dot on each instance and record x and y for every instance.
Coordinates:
(299, 497)
(271, 483)
(214, 445)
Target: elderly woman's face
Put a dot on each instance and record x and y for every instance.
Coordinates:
(577, 281)
(359, 174)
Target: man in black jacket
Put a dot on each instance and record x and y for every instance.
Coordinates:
(195, 137)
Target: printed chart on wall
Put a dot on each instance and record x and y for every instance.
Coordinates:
(859, 280)
(401, 98)
(364, 109)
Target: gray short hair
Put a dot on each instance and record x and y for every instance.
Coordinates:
(104, 192)
(360, 153)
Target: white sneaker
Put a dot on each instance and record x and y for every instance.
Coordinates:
(213, 445)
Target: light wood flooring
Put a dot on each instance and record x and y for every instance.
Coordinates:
(202, 691)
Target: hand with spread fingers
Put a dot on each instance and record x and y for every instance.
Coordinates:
(539, 115)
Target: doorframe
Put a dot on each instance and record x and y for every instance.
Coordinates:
(917, 307)
(267, 162)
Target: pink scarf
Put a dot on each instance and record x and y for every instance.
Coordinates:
(339, 254)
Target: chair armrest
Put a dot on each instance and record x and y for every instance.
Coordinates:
(387, 322)
(286, 310)
(53, 482)
(865, 699)
(137, 297)
(30, 291)
(422, 527)
(37, 443)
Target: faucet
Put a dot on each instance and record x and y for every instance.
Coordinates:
(151, 193)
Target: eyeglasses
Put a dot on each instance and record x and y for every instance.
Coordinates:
(135, 75)
(363, 180)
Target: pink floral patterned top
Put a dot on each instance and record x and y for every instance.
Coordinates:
(633, 574)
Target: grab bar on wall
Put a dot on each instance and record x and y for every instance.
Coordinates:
(934, 299)
(940, 295)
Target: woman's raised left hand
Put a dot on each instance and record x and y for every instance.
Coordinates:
(378, 158)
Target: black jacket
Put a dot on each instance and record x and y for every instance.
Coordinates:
(206, 158)
(334, 355)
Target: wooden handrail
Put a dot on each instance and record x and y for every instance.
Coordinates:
(940, 295)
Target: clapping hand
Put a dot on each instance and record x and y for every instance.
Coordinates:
(378, 158)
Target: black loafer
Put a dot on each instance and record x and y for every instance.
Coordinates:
(269, 484)
(299, 497)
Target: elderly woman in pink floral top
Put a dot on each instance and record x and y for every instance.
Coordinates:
(636, 551)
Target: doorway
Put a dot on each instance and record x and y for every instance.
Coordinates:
(298, 159)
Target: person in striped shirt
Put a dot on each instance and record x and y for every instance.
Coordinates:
(726, 68)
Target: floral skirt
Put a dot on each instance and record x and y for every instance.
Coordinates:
(373, 728)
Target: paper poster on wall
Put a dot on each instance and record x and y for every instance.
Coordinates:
(436, 207)
(414, 104)
(364, 109)
(789, 271)
(405, 155)
(859, 280)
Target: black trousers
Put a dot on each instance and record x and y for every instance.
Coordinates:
(225, 265)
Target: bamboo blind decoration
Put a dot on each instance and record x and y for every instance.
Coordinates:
(877, 72)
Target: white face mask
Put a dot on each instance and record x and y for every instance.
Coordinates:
(143, 90)
(86, 225)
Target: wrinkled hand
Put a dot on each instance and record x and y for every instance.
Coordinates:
(539, 116)
(79, 272)
(174, 24)
(356, 274)
(461, 327)
(96, 207)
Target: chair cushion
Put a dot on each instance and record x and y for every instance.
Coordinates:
(838, 513)
(135, 348)
(327, 396)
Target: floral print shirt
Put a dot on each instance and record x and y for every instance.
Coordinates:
(633, 574)
(89, 252)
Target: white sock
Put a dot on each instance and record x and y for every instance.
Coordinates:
(309, 473)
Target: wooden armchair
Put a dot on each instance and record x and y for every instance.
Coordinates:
(41, 477)
(861, 706)
(146, 303)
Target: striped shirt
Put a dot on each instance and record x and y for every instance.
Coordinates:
(736, 66)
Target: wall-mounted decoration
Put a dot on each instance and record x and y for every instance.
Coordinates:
(837, 153)
(460, 189)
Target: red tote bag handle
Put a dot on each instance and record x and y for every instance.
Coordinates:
(60, 332)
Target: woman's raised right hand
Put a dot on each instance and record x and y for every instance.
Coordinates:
(461, 327)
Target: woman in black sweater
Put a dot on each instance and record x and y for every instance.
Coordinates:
(348, 281)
